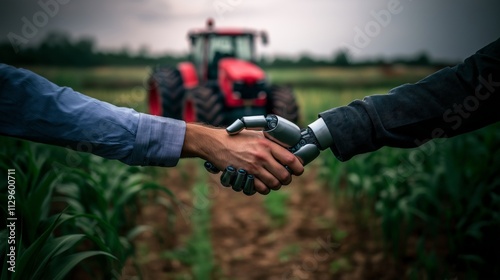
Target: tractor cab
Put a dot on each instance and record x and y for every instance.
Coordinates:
(209, 46)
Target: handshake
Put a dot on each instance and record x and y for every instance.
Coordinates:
(306, 144)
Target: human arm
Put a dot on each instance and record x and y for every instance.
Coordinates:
(35, 109)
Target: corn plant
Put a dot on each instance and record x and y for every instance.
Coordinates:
(41, 253)
(96, 202)
(113, 192)
(445, 193)
(108, 190)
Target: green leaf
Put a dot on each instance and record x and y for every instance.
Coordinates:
(29, 259)
(55, 247)
(130, 193)
(133, 233)
(64, 264)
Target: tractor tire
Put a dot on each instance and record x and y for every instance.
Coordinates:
(208, 105)
(282, 102)
(166, 84)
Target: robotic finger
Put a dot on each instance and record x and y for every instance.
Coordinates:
(228, 176)
(249, 188)
(210, 167)
(238, 180)
(275, 128)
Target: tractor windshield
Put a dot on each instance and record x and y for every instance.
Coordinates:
(222, 46)
(230, 46)
(209, 49)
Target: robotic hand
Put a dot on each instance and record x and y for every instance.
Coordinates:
(306, 143)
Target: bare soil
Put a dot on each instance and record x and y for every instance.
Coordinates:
(319, 240)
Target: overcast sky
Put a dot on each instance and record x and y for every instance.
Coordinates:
(446, 29)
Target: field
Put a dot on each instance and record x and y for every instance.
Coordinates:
(424, 213)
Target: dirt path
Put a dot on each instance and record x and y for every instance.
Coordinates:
(318, 240)
(248, 246)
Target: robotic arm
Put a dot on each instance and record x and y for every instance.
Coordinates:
(306, 143)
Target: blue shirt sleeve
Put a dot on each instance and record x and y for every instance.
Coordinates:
(35, 109)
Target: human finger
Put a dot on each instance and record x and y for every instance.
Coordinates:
(286, 158)
(260, 187)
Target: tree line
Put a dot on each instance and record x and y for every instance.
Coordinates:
(59, 49)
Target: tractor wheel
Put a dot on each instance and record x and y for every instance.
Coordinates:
(204, 105)
(282, 102)
(166, 92)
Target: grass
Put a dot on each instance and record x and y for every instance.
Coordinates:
(197, 252)
(104, 78)
(330, 77)
(276, 208)
(289, 252)
(134, 98)
(348, 78)
(316, 100)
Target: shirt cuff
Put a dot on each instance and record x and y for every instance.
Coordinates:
(158, 141)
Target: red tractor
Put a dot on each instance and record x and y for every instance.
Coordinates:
(221, 83)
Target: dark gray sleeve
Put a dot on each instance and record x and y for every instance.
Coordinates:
(449, 102)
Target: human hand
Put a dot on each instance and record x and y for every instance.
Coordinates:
(248, 150)
(305, 143)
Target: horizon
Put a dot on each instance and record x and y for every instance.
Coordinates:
(382, 28)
